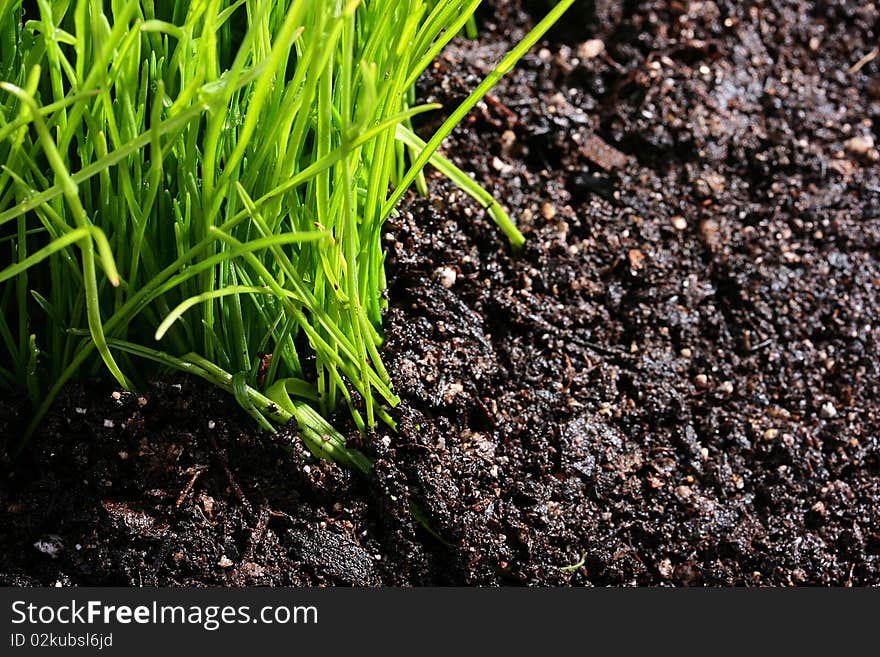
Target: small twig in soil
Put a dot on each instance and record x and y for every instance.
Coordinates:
(761, 345)
(509, 114)
(256, 537)
(258, 532)
(224, 463)
(194, 473)
(867, 59)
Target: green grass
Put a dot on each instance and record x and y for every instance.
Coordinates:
(198, 185)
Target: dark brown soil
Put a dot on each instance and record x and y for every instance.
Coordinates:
(675, 382)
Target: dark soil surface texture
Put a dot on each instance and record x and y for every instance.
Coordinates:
(676, 382)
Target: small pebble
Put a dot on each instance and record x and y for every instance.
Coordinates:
(726, 388)
(679, 222)
(446, 276)
(508, 139)
(548, 211)
(828, 411)
(701, 381)
(225, 562)
(591, 49)
(771, 434)
(860, 145)
(501, 166)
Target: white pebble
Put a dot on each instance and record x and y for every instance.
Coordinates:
(828, 411)
(446, 276)
(591, 49)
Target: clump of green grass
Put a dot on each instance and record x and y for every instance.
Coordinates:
(202, 185)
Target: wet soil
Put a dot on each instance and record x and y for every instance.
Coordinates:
(676, 381)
